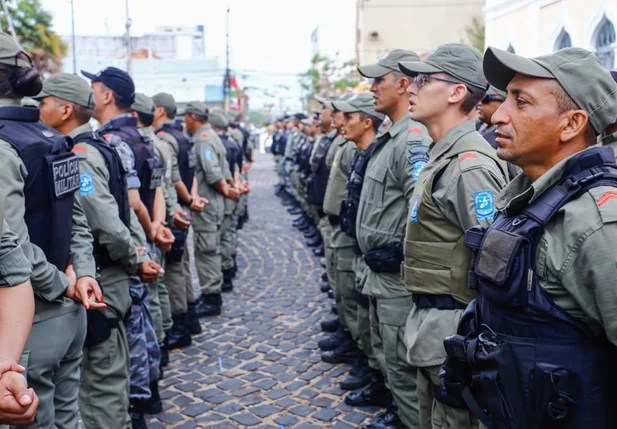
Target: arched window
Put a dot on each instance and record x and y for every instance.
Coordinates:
(563, 40)
(511, 49)
(604, 43)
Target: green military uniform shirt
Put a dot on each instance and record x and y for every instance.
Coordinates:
(577, 255)
(163, 151)
(15, 268)
(174, 149)
(210, 170)
(337, 144)
(456, 190)
(387, 188)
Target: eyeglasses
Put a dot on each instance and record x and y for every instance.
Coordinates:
(422, 78)
(491, 98)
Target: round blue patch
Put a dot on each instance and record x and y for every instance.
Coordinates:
(484, 204)
(86, 184)
(416, 169)
(413, 217)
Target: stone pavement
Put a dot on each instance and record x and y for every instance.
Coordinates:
(257, 365)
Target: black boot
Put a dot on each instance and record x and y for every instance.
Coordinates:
(295, 211)
(319, 251)
(235, 268)
(154, 404)
(334, 308)
(228, 286)
(179, 335)
(136, 411)
(347, 352)
(209, 305)
(331, 294)
(359, 376)
(324, 287)
(315, 242)
(333, 341)
(331, 325)
(192, 321)
(376, 393)
(389, 419)
(165, 352)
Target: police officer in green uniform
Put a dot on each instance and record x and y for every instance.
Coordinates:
(389, 182)
(159, 307)
(455, 190)
(544, 271)
(212, 184)
(54, 236)
(609, 136)
(19, 405)
(177, 273)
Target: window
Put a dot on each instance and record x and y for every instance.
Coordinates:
(563, 40)
(604, 41)
(511, 49)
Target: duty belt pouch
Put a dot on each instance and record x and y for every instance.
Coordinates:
(386, 259)
(554, 390)
(98, 329)
(177, 248)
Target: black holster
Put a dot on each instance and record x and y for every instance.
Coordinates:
(385, 259)
(99, 327)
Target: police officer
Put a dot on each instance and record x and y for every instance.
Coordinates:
(243, 137)
(235, 159)
(54, 235)
(19, 404)
(143, 108)
(177, 272)
(360, 127)
(455, 190)
(211, 182)
(360, 124)
(609, 136)
(389, 182)
(543, 320)
(113, 92)
(486, 108)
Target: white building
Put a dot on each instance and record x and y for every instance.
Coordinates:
(536, 27)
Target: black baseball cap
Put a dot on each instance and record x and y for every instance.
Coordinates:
(115, 79)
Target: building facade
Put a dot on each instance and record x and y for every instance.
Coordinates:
(418, 25)
(537, 27)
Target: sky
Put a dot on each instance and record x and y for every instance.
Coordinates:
(269, 38)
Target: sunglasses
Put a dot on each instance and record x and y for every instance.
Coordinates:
(491, 98)
(421, 79)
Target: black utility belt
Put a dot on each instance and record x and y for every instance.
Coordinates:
(385, 259)
(441, 302)
(361, 299)
(334, 220)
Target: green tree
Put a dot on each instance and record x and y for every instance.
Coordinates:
(326, 77)
(475, 33)
(33, 28)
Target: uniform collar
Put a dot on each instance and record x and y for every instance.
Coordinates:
(438, 149)
(402, 125)
(521, 191)
(82, 129)
(9, 102)
(608, 140)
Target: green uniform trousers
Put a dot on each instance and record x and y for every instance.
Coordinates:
(228, 241)
(363, 319)
(54, 368)
(391, 316)
(208, 260)
(435, 414)
(179, 283)
(159, 300)
(344, 280)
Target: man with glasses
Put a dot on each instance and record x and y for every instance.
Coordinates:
(454, 191)
(391, 174)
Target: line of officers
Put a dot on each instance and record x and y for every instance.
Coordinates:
(90, 218)
(470, 242)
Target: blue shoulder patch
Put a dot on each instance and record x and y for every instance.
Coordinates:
(413, 217)
(416, 168)
(208, 154)
(484, 204)
(86, 184)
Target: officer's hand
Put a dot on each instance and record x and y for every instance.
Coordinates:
(180, 220)
(164, 238)
(70, 274)
(18, 404)
(10, 365)
(233, 194)
(88, 292)
(154, 229)
(149, 271)
(198, 204)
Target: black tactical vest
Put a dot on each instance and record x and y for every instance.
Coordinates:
(349, 206)
(53, 178)
(187, 159)
(318, 179)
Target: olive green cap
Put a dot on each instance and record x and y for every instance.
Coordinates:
(196, 107)
(494, 91)
(362, 102)
(166, 101)
(388, 64)
(9, 50)
(232, 116)
(218, 119)
(578, 71)
(143, 104)
(456, 59)
(67, 87)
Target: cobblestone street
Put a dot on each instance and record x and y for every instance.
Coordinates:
(257, 365)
